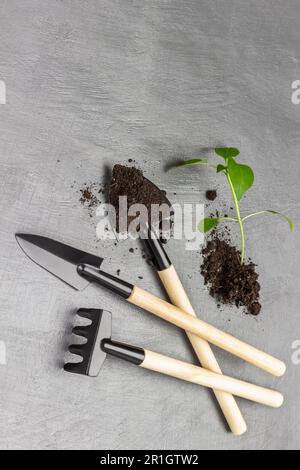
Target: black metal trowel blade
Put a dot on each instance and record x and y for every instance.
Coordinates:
(57, 258)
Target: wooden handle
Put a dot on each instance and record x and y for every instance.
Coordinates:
(190, 373)
(178, 317)
(228, 404)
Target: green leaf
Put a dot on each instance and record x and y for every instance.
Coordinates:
(221, 168)
(241, 176)
(207, 224)
(227, 152)
(194, 161)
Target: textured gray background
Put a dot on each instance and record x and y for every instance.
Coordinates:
(94, 82)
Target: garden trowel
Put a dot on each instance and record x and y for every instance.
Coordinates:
(152, 233)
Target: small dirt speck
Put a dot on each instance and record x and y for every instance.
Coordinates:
(211, 194)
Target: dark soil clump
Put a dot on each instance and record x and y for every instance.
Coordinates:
(229, 281)
(211, 194)
(130, 182)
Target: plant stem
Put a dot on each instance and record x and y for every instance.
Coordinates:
(239, 219)
(253, 214)
(279, 214)
(231, 219)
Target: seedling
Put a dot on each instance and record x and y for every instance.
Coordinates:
(240, 179)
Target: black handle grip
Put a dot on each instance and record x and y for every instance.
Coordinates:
(123, 351)
(120, 287)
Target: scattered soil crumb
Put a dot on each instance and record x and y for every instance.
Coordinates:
(147, 257)
(92, 195)
(211, 194)
(88, 197)
(228, 281)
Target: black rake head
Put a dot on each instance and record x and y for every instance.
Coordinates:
(91, 352)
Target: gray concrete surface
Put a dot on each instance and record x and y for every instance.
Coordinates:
(97, 82)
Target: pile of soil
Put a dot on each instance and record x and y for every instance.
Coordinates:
(228, 281)
(130, 182)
